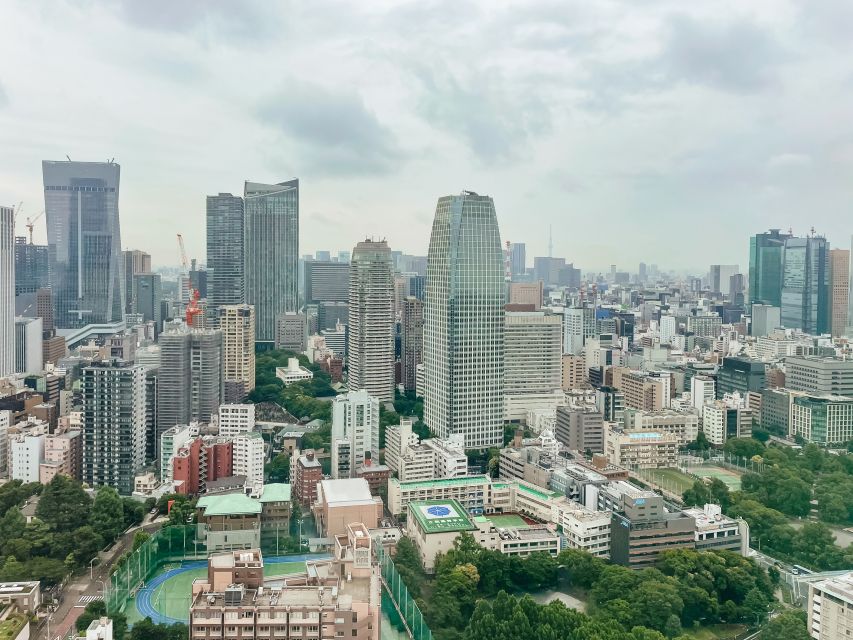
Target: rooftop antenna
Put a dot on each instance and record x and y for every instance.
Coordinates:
(69, 157)
(550, 241)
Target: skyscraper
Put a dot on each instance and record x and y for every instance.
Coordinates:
(113, 424)
(765, 267)
(412, 340)
(189, 380)
(518, 258)
(84, 242)
(30, 266)
(464, 322)
(148, 296)
(839, 268)
(135, 262)
(326, 282)
(237, 323)
(7, 291)
(271, 253)
(224, 251)
(805, 285)
(371, 320)
(721, 277)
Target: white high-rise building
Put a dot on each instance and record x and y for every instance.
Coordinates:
(398, 438)
(355, 431)
(248, 459)
(26, 453)
(370, 359)
(464, 322)
(703, 389)
(235, 419)
(667, 329)
(237, 323)
(7, 291)
(28, 345)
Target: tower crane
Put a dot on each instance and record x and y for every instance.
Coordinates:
(192, 309)
(31, 222)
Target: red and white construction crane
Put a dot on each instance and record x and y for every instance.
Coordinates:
(192, 309)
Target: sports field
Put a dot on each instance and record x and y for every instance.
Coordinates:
(731, 478)
(166, 597)
(509, 520)
(670, 479)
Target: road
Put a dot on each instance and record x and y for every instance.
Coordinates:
(89, 586)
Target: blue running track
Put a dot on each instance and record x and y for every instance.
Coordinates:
(143, 598)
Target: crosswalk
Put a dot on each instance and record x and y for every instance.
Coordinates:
(88, 599)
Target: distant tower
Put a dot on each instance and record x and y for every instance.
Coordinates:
(370, 361)
(464, 322)
(226, 284)
(7, 291)
(550, 241)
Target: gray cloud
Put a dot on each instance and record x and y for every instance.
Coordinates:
(334, 132)
(4, 99)
(739, 56)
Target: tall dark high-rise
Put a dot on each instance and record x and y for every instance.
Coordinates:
(326, 282)
(464, 322)
(84, 242)
(806, 300)
(30, 266)
(135, 262)
(518, 258)
(225, 263)
(412, 347)
(765, 267)
(271, 253)
(7, 291)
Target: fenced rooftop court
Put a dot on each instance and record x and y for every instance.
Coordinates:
(508, 521)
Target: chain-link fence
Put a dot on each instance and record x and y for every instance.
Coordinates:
(405, 608)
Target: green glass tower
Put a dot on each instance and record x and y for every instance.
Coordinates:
(765, 267)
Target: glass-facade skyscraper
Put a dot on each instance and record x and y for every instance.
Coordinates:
(765, 267)
(805, 285)
(7, 291)
(271, 252)
(84, 242)
(464, 322)
(225, 282)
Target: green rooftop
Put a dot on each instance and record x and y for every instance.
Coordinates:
(426, 484)
(440, 516)
(545, 495)
(229, 504)
(276, 492)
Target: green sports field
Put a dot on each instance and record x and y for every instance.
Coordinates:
(729, 477)
(172, 598)
(507, 521)
(670, 479)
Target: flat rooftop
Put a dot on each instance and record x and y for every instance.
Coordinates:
(428, 484)
(440, 516)
(228, 504)
(347, 491)
(841, 587)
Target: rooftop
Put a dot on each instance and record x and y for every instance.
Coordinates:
(229, 504)
(346, 491)
(539, 493)
(440, 516)
(840, 586)
(276, 492)
(426, 484)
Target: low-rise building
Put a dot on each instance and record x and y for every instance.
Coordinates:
(434, 525)
(24, 595)
(642, 449)
(684, 424)
(726, 418)
(584, 529)
(824, 420)
(229, 521)
(293, 372)
(716, 532)
(829, 608)
(469, 491)
(305, 474)
(643, 529)
(340, 502)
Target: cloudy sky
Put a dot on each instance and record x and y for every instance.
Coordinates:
(656, 130)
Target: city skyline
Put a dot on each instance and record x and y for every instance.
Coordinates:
(614, 130)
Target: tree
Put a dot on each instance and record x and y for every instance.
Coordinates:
(139, 538)
(788, 625)
(744, 447)
(655, 601)
(13, 571)
(582, 568)
(754, 605)
(108, 513)
(278, 469)
(134, 512)
(63, 504)
(97, 609)
(147, 630)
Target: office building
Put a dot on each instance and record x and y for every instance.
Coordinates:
(355, 432)
(235, 419)
(464, 322)
(819, 375)
(291, 331)
(705, 325)
(225, 259)
(412, 341)
(526, 293)
(326, 281)
(642, 449)
(148, 294)
(136, 262)
(271, 253)
(642, 529)
(30, 273)
(578, 326)
(189, 379)
(26, 453)
(547, 269)
(585, 529)
(765, 320)
(7, 291)
(839, 282)
(574, 372)
(532, 362)
(668, 329)
(329, 314)
(398, 438)
(370, 355)
(703, 389)
(338, 598)
(726, 418)
(824, 420)
(113, 425)
(647, 391)
(740, 375)
(580, 428)
(518, 258)
(806, 303)
(84, 240)
(682, 424)
(28, 345)
(829, 605)
(720, 278)
(237, 325)
(765, 267)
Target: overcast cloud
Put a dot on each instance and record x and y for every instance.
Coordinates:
(660, 131)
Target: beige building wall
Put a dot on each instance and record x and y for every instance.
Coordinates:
(526, 293)
(574, 372)
(839, 270)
